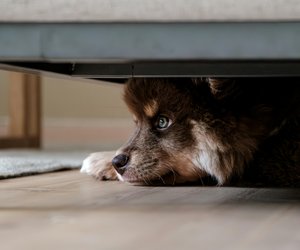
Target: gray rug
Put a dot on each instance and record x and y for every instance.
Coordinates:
(15, 163)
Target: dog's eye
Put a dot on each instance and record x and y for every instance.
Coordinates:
(162, 122)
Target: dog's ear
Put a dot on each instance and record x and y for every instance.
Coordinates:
(221, 88)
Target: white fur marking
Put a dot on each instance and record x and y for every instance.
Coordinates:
(87, 166)
(120, 177)
(95, 162)
(206, 157)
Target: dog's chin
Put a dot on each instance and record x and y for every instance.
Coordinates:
(167, 179)
(130, 176)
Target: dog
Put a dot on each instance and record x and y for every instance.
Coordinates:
(211, 131)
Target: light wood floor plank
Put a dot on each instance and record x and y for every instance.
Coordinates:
(68, 210)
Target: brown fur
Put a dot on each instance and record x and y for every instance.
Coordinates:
(241, 131)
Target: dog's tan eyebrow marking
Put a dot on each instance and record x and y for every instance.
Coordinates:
(150, 108)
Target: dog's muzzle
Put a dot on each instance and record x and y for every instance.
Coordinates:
(119, 163)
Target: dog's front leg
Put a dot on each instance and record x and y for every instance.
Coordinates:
(99, 166)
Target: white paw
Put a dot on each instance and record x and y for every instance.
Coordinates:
(99, 165)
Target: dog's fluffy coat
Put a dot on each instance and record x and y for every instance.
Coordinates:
(240, 131)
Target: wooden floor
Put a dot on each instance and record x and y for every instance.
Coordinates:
(68, 210)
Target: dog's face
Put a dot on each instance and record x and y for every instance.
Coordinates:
(183, 133)
(163, 144)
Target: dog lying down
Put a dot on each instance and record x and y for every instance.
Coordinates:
(239, 131)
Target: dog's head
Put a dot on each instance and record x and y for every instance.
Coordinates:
(188, 129)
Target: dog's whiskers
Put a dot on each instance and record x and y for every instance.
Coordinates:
(197, 173)
(159, 176)
(148, 165)
(150, 161)
(144, 180)
(173, 172)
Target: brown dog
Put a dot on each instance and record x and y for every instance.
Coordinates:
(240, 131)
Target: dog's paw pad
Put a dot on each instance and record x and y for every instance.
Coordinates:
(99, 166)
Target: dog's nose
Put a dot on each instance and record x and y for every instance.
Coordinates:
(119, 163)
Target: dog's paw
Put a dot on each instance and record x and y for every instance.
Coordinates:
(99, 166)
